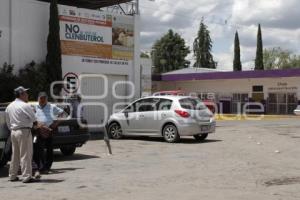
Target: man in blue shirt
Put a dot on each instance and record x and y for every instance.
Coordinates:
(46, 113)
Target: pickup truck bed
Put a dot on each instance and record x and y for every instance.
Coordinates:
(67, 137)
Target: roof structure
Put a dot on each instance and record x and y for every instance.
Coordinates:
(191, 70)
(90, 4)
(228, 75)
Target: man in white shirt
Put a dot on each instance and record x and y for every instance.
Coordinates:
(20, 117)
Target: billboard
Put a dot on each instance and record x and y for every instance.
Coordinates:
(96, 36)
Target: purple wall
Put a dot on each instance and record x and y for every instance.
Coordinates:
(228, 75)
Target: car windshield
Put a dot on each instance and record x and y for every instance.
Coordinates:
(192, 104)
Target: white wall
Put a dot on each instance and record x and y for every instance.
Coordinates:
(146, 82)
(28, 33)
(136, 63)
(5, 31)
(232, 85)
(29, 29)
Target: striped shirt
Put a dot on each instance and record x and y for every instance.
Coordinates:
(48, 113)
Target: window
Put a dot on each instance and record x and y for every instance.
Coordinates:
(142, 105)
(238, 102)
(146, 105)
(164, 104)
(192, 104)
(281, 98)
(272, 98)
(130, 108)
(292, 98)
(257, 88)
(281, 103)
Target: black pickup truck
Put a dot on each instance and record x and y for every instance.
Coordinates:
(67, 137)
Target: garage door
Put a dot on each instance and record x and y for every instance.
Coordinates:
(94, 86)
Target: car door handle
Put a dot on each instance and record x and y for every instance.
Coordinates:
(142, 115)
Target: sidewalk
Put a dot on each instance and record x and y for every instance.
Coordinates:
(228, 117)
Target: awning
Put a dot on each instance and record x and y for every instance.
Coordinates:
(90, 4)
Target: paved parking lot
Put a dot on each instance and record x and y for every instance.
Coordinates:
(242, 160)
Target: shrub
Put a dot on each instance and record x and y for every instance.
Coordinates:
(8, 82)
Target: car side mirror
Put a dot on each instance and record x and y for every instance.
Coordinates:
(126, 114)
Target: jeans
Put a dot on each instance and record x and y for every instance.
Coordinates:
(43, 159)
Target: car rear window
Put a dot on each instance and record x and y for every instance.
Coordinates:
(164, 104)
(192, 104)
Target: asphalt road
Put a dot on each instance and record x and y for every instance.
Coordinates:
(242, 160)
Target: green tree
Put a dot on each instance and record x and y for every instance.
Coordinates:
(278, 58)
(237, 65)
(144, 55)
(9, 82)
(34, 76)
(202, 48)
(169, 52)
(259, 64)
(53, 58)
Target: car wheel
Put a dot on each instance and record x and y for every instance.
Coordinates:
(68, 150)
(115, 130)
(201, 137)
(170, 133)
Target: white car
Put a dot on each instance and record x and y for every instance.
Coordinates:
(167, 116)
(297, 110)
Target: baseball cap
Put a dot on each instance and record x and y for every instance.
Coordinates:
(42, 94)
(20, 90)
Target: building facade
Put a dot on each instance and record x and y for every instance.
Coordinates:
(93, 43)
(277, 90)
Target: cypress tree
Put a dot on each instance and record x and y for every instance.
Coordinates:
(53, 58)
(202, 48)
(237, 65)
(259, 60)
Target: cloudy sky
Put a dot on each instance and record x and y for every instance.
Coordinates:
(280, 20)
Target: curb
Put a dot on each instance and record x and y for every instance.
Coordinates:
(234, 117)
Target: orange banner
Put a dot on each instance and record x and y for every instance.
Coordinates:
(122, 55)
(74, 48)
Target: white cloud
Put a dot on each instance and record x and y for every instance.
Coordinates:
(226, 59)
(279, 19)
(271, 13)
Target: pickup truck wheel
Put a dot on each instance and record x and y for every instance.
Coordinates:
(115, 130)
(201, 137)
(3, 159)
(5, 153)
(68, 150)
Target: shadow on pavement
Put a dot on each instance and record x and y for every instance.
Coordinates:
(63, 170)
(99, 136)
(96, 136)
(51, 181)
(4, 173)
(57, 158)
(160, 139)
(193, 141)
(77, 156)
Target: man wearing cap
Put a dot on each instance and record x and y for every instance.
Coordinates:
(20, 118)
(46, 113)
